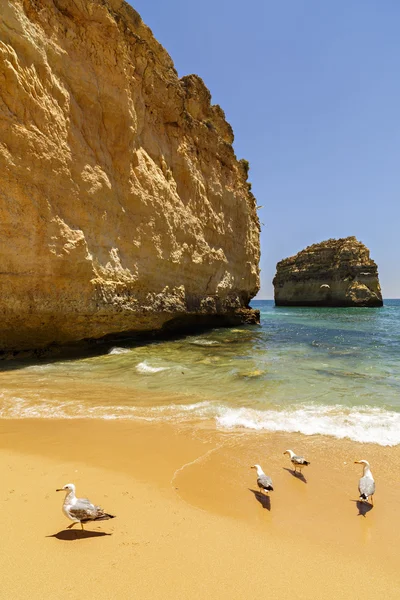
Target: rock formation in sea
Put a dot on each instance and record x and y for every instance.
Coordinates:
(123, 206)
(332, 273)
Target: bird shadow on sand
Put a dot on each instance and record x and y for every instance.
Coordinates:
(70, 535)
(263, 499)
(296, 474)
(363, 507)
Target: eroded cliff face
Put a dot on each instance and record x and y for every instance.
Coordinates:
(122, 204)
(332, 273)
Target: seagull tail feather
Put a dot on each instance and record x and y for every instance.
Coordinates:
(306, 462)
(364, 497)
(104, 517)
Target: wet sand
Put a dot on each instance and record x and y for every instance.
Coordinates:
(190, 521)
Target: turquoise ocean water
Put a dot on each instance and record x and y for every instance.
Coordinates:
(333, 371)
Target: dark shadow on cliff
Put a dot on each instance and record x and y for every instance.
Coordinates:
(71, 535)
(175, 329)
(296, 474)
(263, 499)
(363, 507)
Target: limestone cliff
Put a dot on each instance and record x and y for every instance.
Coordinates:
(332, 273)
(122, 204)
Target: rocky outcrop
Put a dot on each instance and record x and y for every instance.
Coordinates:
(332, 273)
(122, 204)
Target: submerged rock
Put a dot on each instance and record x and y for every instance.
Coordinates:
(123, 207)
(332, 273)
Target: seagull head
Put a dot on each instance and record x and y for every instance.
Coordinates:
(290, 452)
(361, 462)
(69, 487)
(258, 469)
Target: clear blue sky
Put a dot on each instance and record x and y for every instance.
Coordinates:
(312, 91)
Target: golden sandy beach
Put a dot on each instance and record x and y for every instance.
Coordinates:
(189, 523)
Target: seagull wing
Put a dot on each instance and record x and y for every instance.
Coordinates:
(83, 510)
(265, 482)
(300, 460)
(366, 486)
(84, 502)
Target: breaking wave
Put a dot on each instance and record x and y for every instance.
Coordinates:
(117, 350)
(205, 343)
(144, 367)
(19, 408)
(360, 424)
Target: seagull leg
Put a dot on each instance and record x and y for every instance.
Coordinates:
(372, 500)
(83, 529)
(72, 524)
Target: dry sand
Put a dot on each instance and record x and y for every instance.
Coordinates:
(190, 523)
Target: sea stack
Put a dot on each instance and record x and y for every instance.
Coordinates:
(123, 206)
(332, 273)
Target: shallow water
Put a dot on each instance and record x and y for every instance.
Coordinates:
(332, 371)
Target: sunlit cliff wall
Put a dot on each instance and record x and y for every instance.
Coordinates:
(122, 204)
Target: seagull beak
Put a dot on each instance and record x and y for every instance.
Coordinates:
(59, 490)
(252, 467)
(356, 462)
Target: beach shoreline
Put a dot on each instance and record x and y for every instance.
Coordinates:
(190, 522)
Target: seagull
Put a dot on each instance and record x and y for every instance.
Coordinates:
(263, 481)
(297, 461)
(81, 510)
(366, 485)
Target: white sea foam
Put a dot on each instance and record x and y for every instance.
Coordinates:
(20, 408)
(201, 342)
(144, 367)
(361, 424)
(117, 350)
(45, 367)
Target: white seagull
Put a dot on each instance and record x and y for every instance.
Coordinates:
(263, 481)
(81, 510)
(297, 461)
(366, 485)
